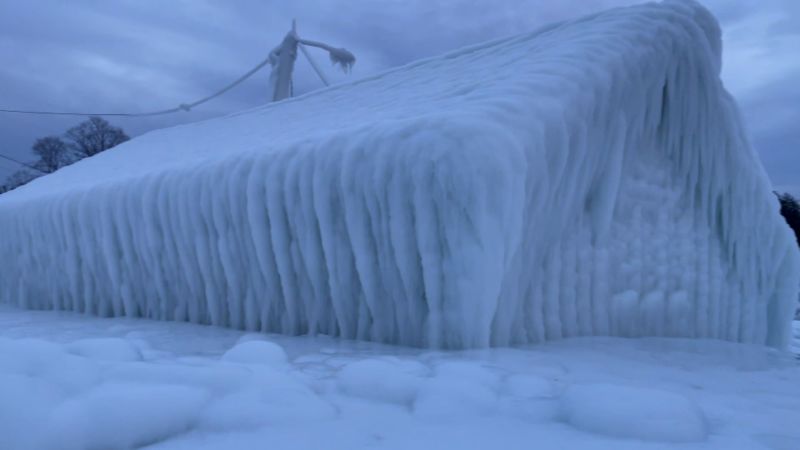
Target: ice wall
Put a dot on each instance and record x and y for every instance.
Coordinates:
(590, 178)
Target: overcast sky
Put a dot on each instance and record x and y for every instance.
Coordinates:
(141, 55)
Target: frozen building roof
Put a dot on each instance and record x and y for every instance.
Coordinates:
(589, 178)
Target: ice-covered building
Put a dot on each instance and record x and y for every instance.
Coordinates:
(589, 178)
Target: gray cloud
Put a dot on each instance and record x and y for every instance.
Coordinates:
(130, 55)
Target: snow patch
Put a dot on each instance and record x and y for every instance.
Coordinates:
(633, 412)
(530, 386)
(123, 416)
(26, 357)
(24, 402)
(575, 393)
(445, 398)
(256, 352)
(274, 398)
(386, 379)
(112, 349)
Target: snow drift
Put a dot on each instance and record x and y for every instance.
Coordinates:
(590, 178)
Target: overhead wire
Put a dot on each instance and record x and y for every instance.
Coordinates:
(182, 107)
(21, 163)
(186, 107)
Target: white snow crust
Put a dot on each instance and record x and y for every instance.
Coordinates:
(633, 412)
(590, 178)
(186, 392)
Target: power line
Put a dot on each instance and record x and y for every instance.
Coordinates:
(8, 165)
(314, 65)
(21, 163)
(182, 107)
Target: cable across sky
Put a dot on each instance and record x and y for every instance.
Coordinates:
(186, 107)
(20, 163)
(182, 107)
(338, 55)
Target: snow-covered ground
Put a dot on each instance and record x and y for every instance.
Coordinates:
(69, 381)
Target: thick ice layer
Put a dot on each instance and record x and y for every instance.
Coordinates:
(590, 178)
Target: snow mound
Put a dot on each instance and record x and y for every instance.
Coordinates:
(388, 380)
(635, 413)
(530, 386)
(258, 408)
(453, 399)
(458, 389)
(115, 349)
(68, 373)
(123, 416)
(589, 178)
(26, 400)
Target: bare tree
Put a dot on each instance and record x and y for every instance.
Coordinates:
(19, 178)
(93, 136)
(53, 153)
(88, 138)
(790, 210)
